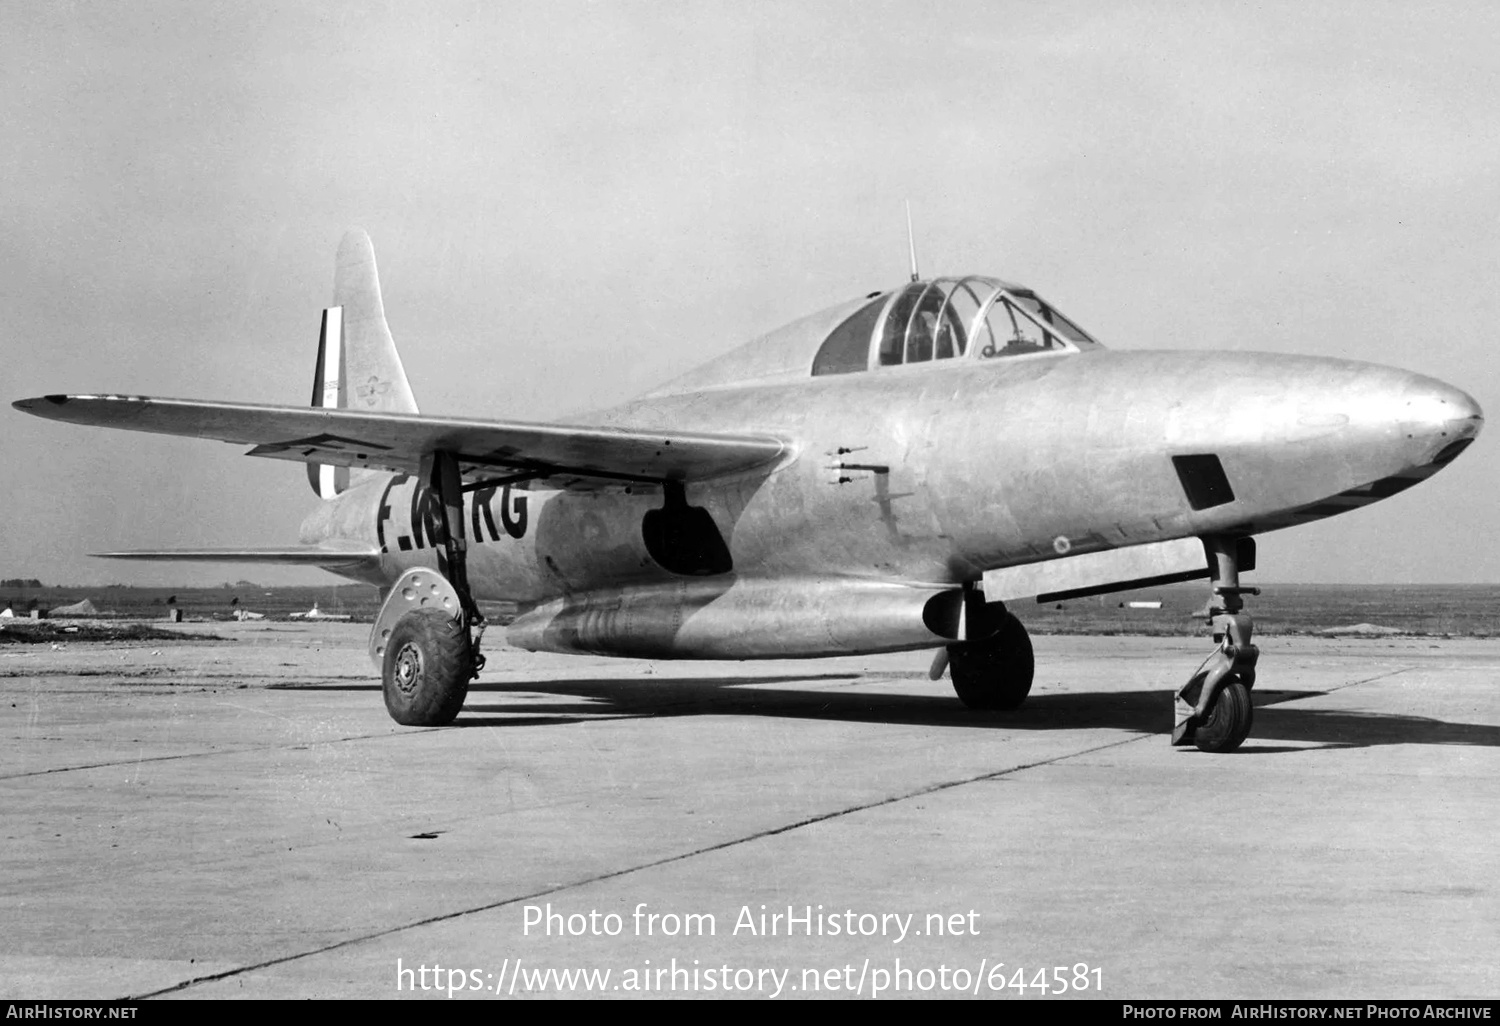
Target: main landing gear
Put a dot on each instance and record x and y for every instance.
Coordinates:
(994, 672)
(426, 637)
(429, 661)
(1214, 712)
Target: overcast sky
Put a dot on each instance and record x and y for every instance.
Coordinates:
(573, 202)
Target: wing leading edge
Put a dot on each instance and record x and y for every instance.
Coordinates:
(566, 455)
(305, 555)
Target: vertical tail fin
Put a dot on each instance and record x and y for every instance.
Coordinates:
(375, 379)
(358, 366)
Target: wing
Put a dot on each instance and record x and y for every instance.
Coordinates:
(568, 456)
(335, 559)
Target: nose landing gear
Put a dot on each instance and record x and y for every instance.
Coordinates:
(1214, 712)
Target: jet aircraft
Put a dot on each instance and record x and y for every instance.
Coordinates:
(893, 473)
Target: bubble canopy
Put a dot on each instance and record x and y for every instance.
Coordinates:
(948, 319)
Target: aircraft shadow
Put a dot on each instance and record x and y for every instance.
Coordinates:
(527, 686)
(1143, 712)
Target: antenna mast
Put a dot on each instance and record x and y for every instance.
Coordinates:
(911, 243)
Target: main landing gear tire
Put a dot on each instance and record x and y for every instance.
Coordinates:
(995, 673)
(1228, 721)
(427, 669)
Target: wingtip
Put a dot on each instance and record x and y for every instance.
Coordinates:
(35, 404)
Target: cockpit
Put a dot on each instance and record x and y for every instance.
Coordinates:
(948, 319)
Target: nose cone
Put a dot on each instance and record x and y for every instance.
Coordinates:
(1445, 418)
(1304, 438)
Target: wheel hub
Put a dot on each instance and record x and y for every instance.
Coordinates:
(408, 669)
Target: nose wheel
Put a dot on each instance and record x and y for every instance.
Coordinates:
(1214, 711)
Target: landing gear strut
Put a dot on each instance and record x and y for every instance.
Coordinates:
(1214, 712)
(426, 637)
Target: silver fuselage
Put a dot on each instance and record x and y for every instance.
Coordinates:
(902, 481)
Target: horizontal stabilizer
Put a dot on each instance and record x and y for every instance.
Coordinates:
(565, 455)
(301, 555)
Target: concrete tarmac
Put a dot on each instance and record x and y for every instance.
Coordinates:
(242, 819)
